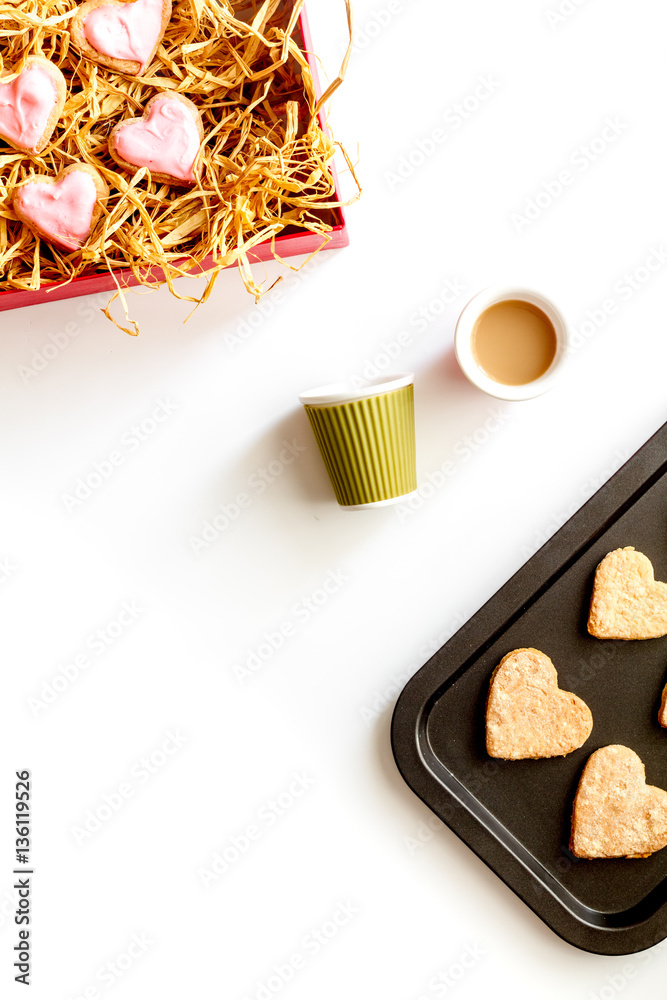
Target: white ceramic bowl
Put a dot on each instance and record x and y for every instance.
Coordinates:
(463, 342)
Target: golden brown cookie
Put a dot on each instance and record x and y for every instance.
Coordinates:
(527, 715)
(616, 814)
(122, 35)
(64, 209)
(31, 103)
(627, 601)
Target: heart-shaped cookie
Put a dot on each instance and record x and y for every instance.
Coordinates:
(627, 602)
(122, 35)
(167, 140)
(527, 714)
(616, 814)
(65, 209)
(31, 104)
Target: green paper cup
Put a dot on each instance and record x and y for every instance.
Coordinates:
(366, 437)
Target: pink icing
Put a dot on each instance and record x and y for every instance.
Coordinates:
(25, 106)
(167, 142)
(130, 31)
(62, 211)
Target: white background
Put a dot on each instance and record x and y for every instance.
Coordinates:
(414, 900)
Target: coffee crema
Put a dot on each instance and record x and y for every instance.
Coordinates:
(514, 342)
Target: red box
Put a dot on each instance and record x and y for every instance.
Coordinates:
(290, 245)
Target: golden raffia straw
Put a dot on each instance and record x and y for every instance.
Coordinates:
(266, 161)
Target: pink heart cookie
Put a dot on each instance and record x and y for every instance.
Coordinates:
(167, 140)
(63, 210)
(122, 35)
(31, 104)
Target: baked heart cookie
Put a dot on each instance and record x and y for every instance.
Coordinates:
(167, 140)
(616, 814)
(31, 105)
(65, 209)
(627, 602)
(122, 35)
(527, 714)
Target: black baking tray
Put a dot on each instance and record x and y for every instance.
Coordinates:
(515, 815)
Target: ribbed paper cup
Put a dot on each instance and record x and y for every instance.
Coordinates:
(366, 437)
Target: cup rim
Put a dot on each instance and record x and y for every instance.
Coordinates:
(345, 392)
(463, 341)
